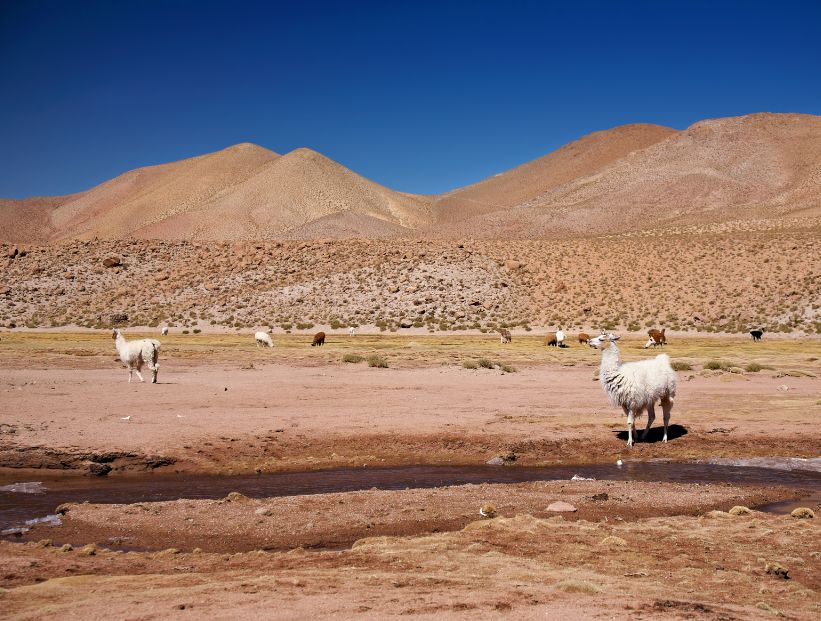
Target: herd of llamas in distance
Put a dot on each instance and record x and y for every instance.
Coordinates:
(633, 386)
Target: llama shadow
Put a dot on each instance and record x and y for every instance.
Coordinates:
(656, 434)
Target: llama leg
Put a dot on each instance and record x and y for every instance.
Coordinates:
(138, 368)
(631, 427)
(666, 407)
(651, 416)
(129, 374)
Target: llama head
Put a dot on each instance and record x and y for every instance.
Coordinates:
(602, 338)
(116, 334)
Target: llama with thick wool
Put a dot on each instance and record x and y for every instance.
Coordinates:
(136, 353)
(636, 386)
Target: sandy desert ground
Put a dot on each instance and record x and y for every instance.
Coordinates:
(630, 550)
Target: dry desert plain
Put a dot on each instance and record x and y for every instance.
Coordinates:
(636, 549)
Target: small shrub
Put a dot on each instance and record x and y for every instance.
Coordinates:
(715, 365)
(185, 331)
(682, 366)
(485, 363)
(753, 367)
(196, 330)
(352, 358)
(377, 361)
(506, 368)
(304, 326)
(470, 364)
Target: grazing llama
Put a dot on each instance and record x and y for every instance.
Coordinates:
(505, 336)
(656, 338)
(319, 339)
(584, 338)
(551, 340)
(757, 334)
(636, 386)
(263, 339)
(136, 353)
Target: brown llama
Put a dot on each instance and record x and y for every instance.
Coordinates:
(550, 339)
(656, 338)
(584, 338)
(505, 336)
(319, 339)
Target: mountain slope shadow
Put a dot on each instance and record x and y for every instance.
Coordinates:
(656, 433)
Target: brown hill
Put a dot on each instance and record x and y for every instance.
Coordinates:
(533, 179)
(741, 171)
(243, 192)
(29, 220)
(761, 166)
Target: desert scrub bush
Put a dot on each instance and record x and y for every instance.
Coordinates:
(377, 361)
(485, 363)
(506, 368)
(470, 364)
(185, 331)
(753, 367)
(304, 326)
(633, 327)
(352, 358)
(196, 330)
(716, 365)
(286, 325)
(681, 366)
(335, 324)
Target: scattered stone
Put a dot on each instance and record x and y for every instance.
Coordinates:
(562, 507)
(44, 543)
(66, 547)
(766, 607)
(196, 551)
(779, 571)
(783, 388)
(88, 550)
(12, 252)
(64, 508)
(495, 461)
(602, 496)
(740, 510)
(112, 262)
(236, 497)
(487, 511)
(99, 470)
(266, 511)
(717, 514)
(803, 513)
(613, 540)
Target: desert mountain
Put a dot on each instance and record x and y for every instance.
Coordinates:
(760, 167)
(519, 185)
(243, 192)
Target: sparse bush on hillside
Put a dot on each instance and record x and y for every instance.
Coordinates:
(485, 363)
(470, 364)
(681, 366)
(352, 358)
(377, 361)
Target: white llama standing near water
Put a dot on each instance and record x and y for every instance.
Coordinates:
(636, 386)
(136, 353)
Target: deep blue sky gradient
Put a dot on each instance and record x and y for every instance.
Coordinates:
(419, 96)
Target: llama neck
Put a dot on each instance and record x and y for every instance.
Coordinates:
(610, 359)
(119, 342)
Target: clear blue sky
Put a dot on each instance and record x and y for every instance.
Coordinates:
(419, 96)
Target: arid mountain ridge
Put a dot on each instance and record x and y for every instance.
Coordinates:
(761, 167)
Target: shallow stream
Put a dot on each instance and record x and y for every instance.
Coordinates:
(23, 503)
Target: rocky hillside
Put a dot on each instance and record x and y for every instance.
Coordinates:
(728, 280)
